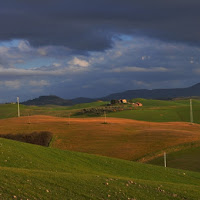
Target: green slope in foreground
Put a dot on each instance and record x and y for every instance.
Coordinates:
(35, 172)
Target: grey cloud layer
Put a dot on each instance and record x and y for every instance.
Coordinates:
(132, 64)
(96, 47)
(91, 24)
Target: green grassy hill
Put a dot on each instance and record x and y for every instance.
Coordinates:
(161, 111)
(10, 110)
(184, 159)
(35, 172)
(152, 110)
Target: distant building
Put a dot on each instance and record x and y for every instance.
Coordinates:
(138, 104)
(123, 101)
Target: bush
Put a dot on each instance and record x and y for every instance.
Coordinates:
(42, 138)
(100, 110)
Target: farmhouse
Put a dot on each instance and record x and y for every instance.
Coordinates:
(138, 104)
(123, 101)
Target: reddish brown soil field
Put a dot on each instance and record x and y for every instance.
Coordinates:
(120, 138)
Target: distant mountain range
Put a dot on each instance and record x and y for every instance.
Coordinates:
(48, 100)
(129, 94)
(157, 93)
(55, 100)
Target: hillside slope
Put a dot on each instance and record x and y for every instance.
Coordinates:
(48, 100)
(119, 138)
(156, 93)
(162, 111)
(34, 172)
(185, 158)
(193, 91)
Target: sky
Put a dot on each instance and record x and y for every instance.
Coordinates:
(92, 48)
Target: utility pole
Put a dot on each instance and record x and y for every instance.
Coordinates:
(165, 160)
(18, 106)
(191, 112)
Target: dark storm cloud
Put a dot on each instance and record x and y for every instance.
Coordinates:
(91, 24)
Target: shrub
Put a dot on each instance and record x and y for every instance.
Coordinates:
(42, 138)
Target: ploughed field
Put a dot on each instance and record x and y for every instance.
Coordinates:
(118, 138)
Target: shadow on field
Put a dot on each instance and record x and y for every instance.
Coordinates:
(42, 138)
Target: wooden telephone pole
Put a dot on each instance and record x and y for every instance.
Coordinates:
(165, 160)
(18, 113)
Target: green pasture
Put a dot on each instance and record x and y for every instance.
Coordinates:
(152, 110)
(184, 159)
(35, 172)
(10, 110)
(161, 111)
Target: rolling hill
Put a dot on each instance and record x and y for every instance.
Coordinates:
(55, 100)
(152, 110)
(181, 158)
(48, 100)
(35, 172)
(193, 91)
(157, 93)
(120, 138)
